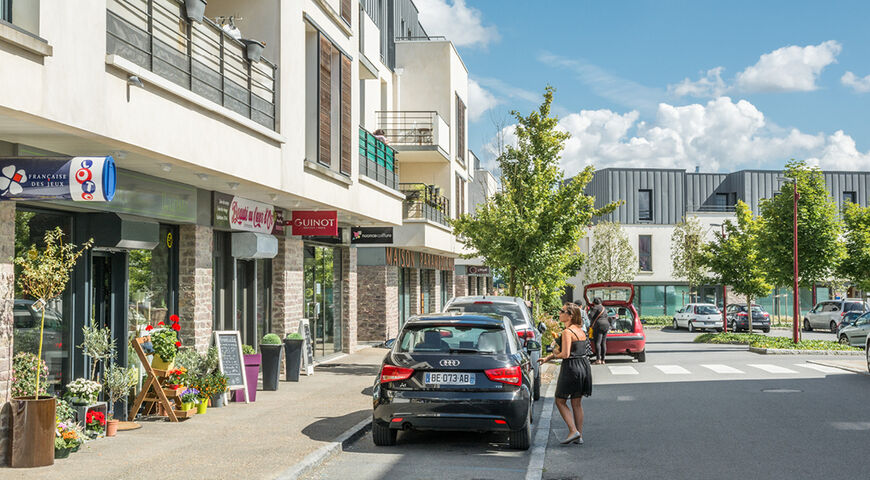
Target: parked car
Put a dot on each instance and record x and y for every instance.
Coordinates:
(694, 316)
(829, 313)
(867, 352)
(738, 319)
(455, 372)
(26, 322)
(519, 314)
(626, 335)
(848, 320)
(856, 335)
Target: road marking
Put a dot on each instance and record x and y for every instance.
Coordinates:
(535, 470)
(718, 368)
(625, 398)
(623, 370)
(851, 425)
(771, 368)
(822, 368)
(673, 369)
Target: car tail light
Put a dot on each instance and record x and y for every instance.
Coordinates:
(392, 373)
(509, 375)
(501, 422)
(397, 419)
(842, 314)
(483, 303)
(526, 334)
(741, 314)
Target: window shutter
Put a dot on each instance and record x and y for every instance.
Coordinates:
(325, 101)
(460, 130)
(346, 136)
(462, 199)
(456, 197)
(345, 10)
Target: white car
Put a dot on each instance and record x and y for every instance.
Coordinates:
(827, 314)
(694, 316)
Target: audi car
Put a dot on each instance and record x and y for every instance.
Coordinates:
(455, 372)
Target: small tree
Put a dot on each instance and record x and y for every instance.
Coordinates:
(855, 267)
(734, 258)
(98, 344)
(611, 258)
(687, 252)
(118, 383)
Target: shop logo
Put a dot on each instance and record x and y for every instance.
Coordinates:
(83, 176)
(11, 180)
(357, 234)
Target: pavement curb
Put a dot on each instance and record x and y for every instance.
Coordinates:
(535, 470)
(324, 453)
(783, 351)
(848, 368)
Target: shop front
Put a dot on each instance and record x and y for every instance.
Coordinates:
(473, 280)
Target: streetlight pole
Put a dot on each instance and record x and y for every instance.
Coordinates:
(797, 310)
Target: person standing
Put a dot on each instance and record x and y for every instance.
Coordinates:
(600, 327)
(575, 375)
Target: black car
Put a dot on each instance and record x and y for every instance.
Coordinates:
(849, 319)
(738, 319)
(455, 372)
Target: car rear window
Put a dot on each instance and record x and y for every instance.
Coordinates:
(853, 307)
(452, 338)
(509, 310)
(706, 310)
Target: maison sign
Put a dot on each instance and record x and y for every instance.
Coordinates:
(407, 259)
(314, 223)
(238, 213)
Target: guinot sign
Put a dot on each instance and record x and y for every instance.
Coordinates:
(315, 223)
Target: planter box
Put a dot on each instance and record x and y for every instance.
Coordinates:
(252, 376)
(253, 49)
(271, 365)
(33, 430)
(293, 359)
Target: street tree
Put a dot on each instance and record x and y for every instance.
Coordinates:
(528, 231)
(733, 258)
(855, 266)
(611, 258)
(687, 252)
(819, 227)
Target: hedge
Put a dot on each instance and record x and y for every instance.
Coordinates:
(663, 320)
(764, 341)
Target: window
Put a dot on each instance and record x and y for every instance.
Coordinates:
(644, 205)
(721, 201)
(345, 11)
(328, 104)
(850, 197)
(459, 198)
(644, 252)
(6, 10)
(460, 130)
(443, 338)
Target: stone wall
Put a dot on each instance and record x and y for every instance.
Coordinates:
(461, 286)
(195, 279)
(288, 289)
(349, 299)
(378, 304)
(7, 297)
(414, 295)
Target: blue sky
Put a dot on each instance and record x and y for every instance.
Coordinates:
(673, 84)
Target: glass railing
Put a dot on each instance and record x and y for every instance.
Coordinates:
(377, 160)
(424, 202)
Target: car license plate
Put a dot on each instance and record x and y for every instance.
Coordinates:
(449, 378)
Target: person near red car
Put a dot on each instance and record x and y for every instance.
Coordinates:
(600, 327)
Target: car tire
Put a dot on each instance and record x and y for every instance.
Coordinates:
(383, 436)
(521, 439)
(691, 327)
(867, 352)
(807, 326)
(718, 330)
(641, 357)
(676, 326)
(536, 391)
(844, 340)
(833, 327)
(766, 330)
(732, 327)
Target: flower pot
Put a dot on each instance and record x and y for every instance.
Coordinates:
(186, 406)
(112, 427)
(195, 9)
(253, 49)
(252, 374)
(33, 431)
(217, 401)
(271, 365)
(159, 364)
(293, 359)
(201, 407)
(62, 453)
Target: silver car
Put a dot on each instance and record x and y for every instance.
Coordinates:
(856, 335)
(829, 313)
(699, 316)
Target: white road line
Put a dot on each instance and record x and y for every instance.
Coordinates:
(822, 368)
(623, 370)
(535, 470)
(718, 368)
(771, 368)
(673, 369)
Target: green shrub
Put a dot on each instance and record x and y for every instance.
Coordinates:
(293, 336)
(271, 339)
(657, 320)
(25, 368)
(249, 350)
(763, 341)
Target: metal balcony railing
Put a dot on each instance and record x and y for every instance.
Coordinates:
(377, 160)
(425, 202)
(156, 35)
(420, 128)
(712, 208)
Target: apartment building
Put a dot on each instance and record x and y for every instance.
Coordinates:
(655, 200)
(243, 146)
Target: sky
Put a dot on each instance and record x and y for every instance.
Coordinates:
(723, 86)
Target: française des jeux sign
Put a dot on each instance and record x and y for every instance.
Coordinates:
(315, 223)
(80, 179)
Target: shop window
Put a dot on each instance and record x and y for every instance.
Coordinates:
(644, 205)
(322, 277)
(153, 275)
(445, 285)
(404, 295)
(650, 300)
(644, 252)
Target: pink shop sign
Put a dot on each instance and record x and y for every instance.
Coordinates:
(251, 216)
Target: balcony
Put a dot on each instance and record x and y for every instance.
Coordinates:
(377, 160)
(712, 208)
(201, 57)
(417, 131)
(424, 202)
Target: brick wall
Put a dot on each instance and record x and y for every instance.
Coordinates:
(348, 298)
(7, 297)
(288, 287)
(195, 275)
(414, 296)
(378, 303)
(461, 285)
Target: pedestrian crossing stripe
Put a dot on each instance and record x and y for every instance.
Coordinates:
(769, 368)
(673, 370)
(725, 369)
(718, 368)
(821, 368)
(623, 370)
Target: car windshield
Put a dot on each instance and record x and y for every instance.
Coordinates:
(452, 338)
(707, 310)
(510, 310)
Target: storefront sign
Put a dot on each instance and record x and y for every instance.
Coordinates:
(407, 259)
(230, 361)
(474, 270)
(81, 179)
(313, 223)
(279, 223)
(364, 235)
(237, 213)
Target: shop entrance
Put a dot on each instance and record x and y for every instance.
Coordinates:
(322, 269)
(253, 288)
(109, 298)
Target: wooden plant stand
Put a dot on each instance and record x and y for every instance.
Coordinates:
(154, 391)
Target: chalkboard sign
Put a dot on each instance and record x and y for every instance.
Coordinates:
(230, 359)
(308, 352)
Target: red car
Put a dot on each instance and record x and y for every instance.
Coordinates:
(626, 336)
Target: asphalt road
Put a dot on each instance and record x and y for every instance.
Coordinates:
(691, 411)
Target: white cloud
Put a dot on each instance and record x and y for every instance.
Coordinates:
(860, 85)
(479, 100)
(710, 85)
(461, 24)
(721, 135)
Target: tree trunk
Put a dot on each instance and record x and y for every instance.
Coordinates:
(512, 282)
(749, 311)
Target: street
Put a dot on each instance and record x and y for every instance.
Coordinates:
(692, 410)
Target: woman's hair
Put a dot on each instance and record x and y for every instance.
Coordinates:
(379, 132)
(575, 313)
(596, 301)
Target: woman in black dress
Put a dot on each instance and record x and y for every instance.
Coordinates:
(575, 376)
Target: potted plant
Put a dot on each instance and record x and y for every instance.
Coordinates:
(83, 392)
(253, 49)
(99, 345)
(119, 381)
(219, 384)
(188, 398)
(95, 423)
(43, 275)
(271, 349)
(67, 438)
(166, 345)
(293, 344)
(252, 374)
(194, 9)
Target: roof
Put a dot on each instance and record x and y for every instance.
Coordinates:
(487, 298)
(441, 319)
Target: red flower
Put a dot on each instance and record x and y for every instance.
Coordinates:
(160, 324)
(176, 327)
(149, 328)
(174, 318)
(177, 344)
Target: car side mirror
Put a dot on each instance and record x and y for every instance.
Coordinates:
(389, 343)
(533, 346)
(542, 328)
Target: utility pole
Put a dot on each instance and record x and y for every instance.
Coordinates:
(797, 309)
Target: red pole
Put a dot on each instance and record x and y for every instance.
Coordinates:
(797, 308)
(724, 296)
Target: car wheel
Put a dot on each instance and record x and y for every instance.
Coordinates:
(521, 439)
(807, 326)
(536, 391)
(867, 351)
(844, 340)
(691, 327)
(676, 327)
(833, 327)
(766, 330)
(383, 436)
(733, 327)
(641, 357)
(718, 330)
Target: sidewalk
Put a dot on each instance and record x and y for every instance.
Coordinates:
(257, 441)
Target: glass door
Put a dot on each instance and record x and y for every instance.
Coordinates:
(322, 269)
(246, 301)
(109, 299)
